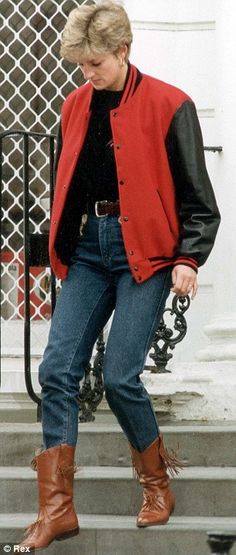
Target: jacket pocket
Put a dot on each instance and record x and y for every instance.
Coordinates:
(166, 216)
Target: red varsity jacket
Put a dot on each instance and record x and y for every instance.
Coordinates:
(168, 209)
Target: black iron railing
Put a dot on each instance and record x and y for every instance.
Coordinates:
(36, 254)
(213, 148)
(221, 543)
(35, 246)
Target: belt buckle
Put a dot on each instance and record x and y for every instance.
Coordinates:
(96, 207)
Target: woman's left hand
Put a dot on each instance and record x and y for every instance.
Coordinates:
(184, 281)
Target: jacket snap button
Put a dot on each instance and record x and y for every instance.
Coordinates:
(136, 268)
(126, 219)
(140, 278)
(121, 182)
(118, 147)
(131, 252)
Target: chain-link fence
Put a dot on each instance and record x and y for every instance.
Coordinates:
(34, 82)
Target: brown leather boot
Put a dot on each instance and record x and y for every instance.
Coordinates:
(57, 519)
(151, 467)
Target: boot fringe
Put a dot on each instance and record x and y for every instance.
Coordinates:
(66, 469)
(38, 451)
(169, 459)
(134, 472)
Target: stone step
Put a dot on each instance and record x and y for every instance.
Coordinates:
(118, 535)
(103, 443)
(113, 490)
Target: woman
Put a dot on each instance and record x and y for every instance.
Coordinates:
(134, 215)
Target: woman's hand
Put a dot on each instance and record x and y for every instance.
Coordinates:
(184, 280)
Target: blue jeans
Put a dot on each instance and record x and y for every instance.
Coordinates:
(100, 282)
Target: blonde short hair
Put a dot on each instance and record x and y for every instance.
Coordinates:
(99, 28)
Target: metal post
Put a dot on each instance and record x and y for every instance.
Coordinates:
(27, 336)
(220, 543)
(51, 192)
(1, 162)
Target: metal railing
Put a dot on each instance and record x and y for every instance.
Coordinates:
(220, 543)
(35, 251)
(35, 248)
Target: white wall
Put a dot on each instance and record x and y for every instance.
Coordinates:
(176, 41)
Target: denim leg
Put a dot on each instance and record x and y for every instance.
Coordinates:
(138, 311)
(84, 306)
(100, 280)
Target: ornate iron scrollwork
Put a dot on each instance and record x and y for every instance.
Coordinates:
(92, 388)
(165, 337)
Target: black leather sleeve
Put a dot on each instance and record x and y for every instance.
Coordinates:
(198, 212)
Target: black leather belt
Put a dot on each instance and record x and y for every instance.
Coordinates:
(107, 207)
